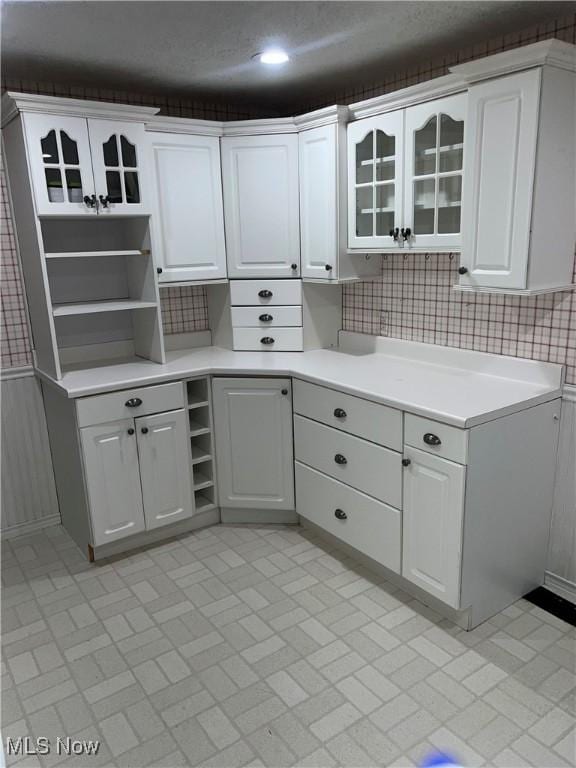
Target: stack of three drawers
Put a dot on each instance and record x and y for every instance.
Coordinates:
(266, 315)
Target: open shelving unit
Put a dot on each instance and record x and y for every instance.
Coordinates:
(101, 290)
(200, 422)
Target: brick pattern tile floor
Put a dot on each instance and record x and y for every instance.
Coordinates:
(264, 646)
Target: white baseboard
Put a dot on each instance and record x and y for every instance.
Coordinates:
(560, 586)
(24, 529)
(259, 516)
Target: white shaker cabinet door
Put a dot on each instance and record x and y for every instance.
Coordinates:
(254, 447)
(165, 467)
(500, 156)
(432, 524)
(120, 167)
(113, 480)
(318, 164)
(260, 180)
(60, 164)
(187, 207)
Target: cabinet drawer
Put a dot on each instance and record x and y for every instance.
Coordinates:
(423, 433)
(376, 471)
(364, 523)
(247, 292)
(100, 409)
(372, 421)
(257, 317)
(283, 339)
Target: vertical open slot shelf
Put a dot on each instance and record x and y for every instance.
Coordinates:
(200, 422)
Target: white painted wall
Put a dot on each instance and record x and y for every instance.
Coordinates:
(28, 490)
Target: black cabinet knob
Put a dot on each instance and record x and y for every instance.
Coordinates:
(462, 270)
(134, 402)
(293, 266)
(406, 462)
(131, 431)
(328, 267)
(159, 270)
(144, 430)
(284, 391)
(431, 439)
(265, 294)
(266, 318)
(339, 459)
(340, 413)
(266, 340)
(339, 514)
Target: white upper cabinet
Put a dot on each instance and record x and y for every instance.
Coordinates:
(434, 152)
(405, 177)
(85, 166)
(519, 190)
(189, 243)
(119, 161)
(375, 181)
(60, 164)
(260, 180)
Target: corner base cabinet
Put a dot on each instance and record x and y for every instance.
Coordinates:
(253, 435)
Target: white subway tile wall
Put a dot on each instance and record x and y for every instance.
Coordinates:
(412, 300)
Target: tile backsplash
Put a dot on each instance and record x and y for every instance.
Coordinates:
(413, 299)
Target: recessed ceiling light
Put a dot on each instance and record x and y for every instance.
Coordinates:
(273, 56)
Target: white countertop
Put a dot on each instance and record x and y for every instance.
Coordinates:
(456, 387)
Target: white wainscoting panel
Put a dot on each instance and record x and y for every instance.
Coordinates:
(562, 551)
(29, 498)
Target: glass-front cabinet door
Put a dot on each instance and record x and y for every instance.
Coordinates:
(433, 173)
(375, 194)
(60, 165)
(118, 158)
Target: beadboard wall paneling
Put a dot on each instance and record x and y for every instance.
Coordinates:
(562, 549)
(28, 490)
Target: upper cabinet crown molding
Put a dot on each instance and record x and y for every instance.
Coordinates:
(13, 103)
(325, 116)
(259, 127)
(553, 53)
(406, 97)
(164, 124)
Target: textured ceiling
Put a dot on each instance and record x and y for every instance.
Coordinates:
(205, 48)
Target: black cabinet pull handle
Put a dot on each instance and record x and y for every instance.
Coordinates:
(90, 201)
(406, 233)
(340, 514)
(144, 430)
(284, 391)
(131, 431)
(462, 270)
(394, 233)
(159, 270)
(340, 413)
(431, 439)
(339, 459)
(265, 294)
(328, 267)
(266, 340)
(266, 318)
(134, 402)
(406, 462)
(293, 266)
(104, 200)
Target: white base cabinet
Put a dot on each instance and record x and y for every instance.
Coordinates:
(253, 436)
(433, 519)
